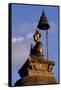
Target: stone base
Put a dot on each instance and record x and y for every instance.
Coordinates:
(28, 81)
(34, 73)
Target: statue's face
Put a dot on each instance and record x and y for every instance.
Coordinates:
(36, 37)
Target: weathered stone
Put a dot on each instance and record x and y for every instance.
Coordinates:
(35, 73)
(35, 81)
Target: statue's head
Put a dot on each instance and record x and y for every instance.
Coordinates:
(37, 35)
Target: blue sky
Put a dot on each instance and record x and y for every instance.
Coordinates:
(24, 22)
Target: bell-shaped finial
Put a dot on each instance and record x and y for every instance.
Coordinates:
(43, 23)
